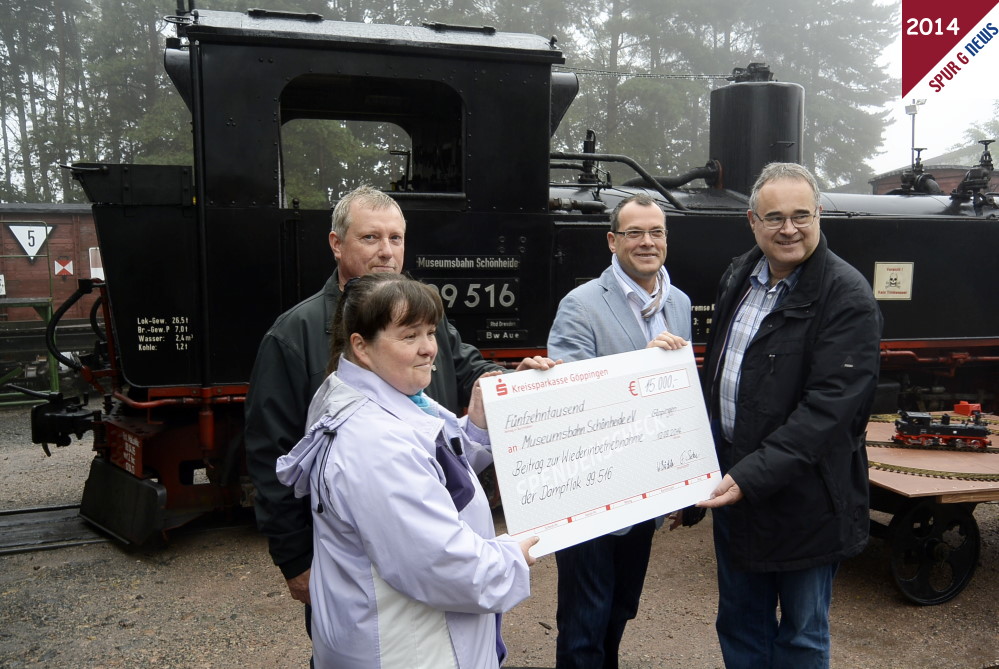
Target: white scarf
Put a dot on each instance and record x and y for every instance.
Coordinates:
(652, 307)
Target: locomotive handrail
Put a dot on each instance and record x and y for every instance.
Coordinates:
(204, 398)
(567, 166)
(708, 172)
(103, 169)
(442, 27)
(615, 158)
(311, 17)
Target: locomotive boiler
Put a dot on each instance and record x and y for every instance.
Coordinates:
(199, 259)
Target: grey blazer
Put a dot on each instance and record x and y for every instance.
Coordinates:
(595, 319)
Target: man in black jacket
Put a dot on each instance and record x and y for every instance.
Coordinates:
(791, 374)
(368, 235)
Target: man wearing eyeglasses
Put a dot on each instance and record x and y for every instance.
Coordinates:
(792, 366)
(632, 305)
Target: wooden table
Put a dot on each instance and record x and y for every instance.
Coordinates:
(933, 535)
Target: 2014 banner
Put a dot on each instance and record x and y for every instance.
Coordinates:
(949, 48)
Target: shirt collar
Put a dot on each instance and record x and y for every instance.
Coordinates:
(632, 291)
(760, 276)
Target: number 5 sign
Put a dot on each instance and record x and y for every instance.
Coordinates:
(31, 236)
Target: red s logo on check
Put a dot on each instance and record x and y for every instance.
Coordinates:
(501, 388)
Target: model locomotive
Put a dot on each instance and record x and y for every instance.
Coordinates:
(917, 428)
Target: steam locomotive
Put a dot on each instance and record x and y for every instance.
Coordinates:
(918, 428)
(200, 259)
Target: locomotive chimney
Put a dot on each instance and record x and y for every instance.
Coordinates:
(755, 121)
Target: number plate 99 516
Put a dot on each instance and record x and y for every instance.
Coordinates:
(480, 295)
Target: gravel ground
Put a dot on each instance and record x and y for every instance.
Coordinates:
(213, 599)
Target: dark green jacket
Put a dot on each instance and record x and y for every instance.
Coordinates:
(290, 366)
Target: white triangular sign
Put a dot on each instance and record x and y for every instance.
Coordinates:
(31, 236)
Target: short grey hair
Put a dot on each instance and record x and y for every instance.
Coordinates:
(777, 172)
(638, 198)
(365, 196)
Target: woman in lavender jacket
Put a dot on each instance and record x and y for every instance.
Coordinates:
(407, 571)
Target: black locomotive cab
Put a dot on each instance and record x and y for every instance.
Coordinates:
(468, 113)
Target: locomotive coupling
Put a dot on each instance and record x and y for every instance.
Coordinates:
(57, 419)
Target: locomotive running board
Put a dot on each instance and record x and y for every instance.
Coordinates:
(130, 509)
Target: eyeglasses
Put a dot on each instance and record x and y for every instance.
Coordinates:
(635, 235)
(776, 221)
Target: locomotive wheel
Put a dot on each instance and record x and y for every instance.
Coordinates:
(934, 550)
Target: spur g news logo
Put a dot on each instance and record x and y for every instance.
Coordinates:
(501, 388)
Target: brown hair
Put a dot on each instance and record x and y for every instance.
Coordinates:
(372, 302)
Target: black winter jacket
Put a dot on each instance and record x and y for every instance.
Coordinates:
(290, 366)
(807, 383)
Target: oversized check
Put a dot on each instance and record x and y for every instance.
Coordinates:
(593, 446)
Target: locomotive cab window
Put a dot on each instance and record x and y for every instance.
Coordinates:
(398, 135)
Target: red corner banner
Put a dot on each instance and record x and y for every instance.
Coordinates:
(941, 39)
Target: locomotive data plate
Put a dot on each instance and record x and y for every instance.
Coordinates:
(481, 295)
(468, 262)
(502, 336)
(164, 333)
